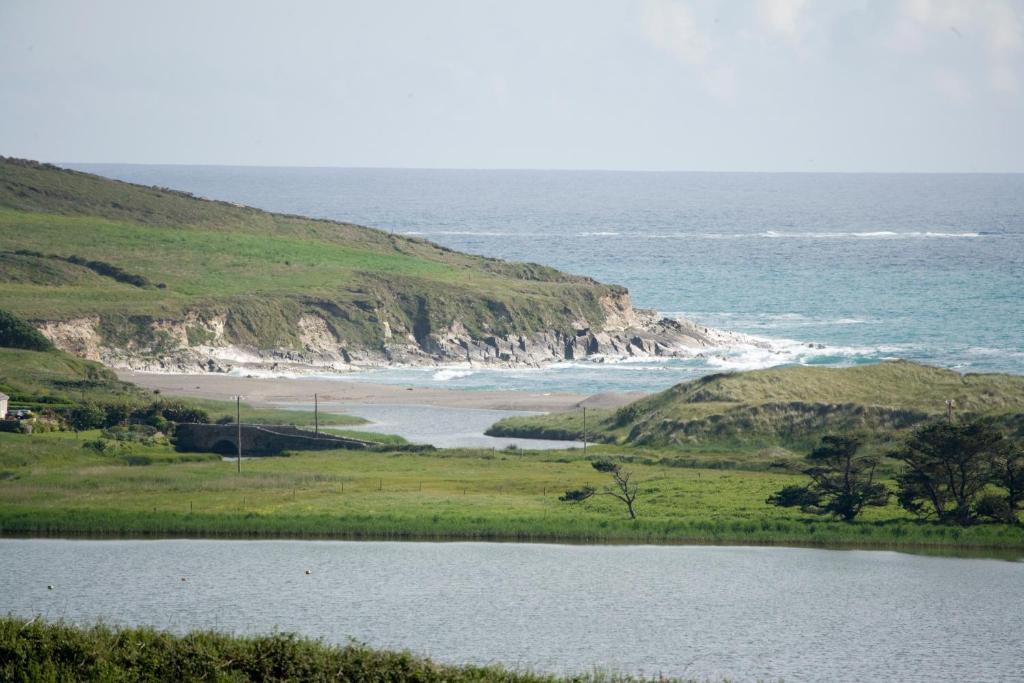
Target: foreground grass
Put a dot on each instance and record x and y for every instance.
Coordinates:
(49, 484)
(38, 651)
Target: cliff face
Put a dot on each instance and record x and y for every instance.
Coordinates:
(154, 279)
(204, 342)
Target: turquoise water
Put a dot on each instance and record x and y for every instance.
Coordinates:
(872, 266)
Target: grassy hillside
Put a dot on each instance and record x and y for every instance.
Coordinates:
(55, 378)
(74, 244)
(791, 406)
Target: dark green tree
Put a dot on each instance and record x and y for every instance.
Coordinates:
(842, 482)
(622, 488)
(85, 416)
(947, 467)
(115, 414)
(1008, 474)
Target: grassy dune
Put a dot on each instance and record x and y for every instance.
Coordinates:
(50, 484)
(790, 406)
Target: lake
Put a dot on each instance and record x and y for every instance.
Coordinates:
(697, 611)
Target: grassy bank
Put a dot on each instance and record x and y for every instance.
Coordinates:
(49, 484)
(789, 406)
(32, 650)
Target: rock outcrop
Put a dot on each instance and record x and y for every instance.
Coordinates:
(203, 343)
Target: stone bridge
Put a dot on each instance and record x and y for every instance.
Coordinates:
(258, 439)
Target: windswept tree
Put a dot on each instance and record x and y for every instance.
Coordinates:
(1008, 474)
(842, 482)
(622, 488)
(947, 468)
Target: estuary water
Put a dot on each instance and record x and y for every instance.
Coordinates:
(694, 611)
(441, 427)
(928, 267)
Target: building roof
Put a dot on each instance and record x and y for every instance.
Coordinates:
(3, 396)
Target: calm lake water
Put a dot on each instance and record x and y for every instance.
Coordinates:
(700, 611)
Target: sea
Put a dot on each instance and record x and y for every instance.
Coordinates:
(829, 269)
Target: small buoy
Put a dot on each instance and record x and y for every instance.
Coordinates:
(308, 572)
(184, 579)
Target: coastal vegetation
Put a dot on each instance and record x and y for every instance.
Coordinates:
(959, 473)
(842, 481)
(791, 407)
(35, 650)
(623, 488)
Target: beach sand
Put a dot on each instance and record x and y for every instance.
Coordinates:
(277, 391)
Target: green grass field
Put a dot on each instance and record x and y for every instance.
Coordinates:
(50, 484)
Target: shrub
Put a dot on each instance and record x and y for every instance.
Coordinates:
(180, 412)
(85, 416)
(100, 446)
(115, 414)
(15, 333)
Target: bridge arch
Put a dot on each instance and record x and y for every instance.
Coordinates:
(225, 447)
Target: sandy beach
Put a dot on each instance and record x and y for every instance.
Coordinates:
(267, 391)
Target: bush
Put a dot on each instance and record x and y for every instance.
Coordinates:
(995, 508)
(15, 333)
(179, 412)
(85, 416)
(100, 446)
(143, 433)
(115, 414)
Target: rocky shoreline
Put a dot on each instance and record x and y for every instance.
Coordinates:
(199, 345)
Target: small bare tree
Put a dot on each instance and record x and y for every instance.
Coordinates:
(621, 488)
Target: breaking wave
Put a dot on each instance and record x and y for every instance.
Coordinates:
(449, 374)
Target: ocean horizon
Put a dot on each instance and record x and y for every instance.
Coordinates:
(831, 269)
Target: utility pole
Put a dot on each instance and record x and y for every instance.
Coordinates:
(316, 415)
(584, 431)
(949, 409)
(238, 421)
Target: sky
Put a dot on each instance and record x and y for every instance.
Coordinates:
(735, 85)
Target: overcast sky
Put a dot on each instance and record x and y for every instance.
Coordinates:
(772, 85)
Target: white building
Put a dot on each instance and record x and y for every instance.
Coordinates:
(3, 405)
